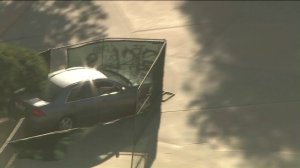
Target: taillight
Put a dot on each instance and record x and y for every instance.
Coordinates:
(37, 112)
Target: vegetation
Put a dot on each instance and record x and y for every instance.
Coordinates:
(19, 68)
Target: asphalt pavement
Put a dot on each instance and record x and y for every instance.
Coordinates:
(233, 67)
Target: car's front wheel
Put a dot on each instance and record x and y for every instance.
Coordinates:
(66, 123)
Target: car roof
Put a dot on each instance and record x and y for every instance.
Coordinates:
(66, 77)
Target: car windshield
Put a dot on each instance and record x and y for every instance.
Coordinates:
(50, 91)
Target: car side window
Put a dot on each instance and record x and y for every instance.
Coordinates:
(81, 92)
(106, 87)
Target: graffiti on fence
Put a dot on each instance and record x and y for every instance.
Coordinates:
(130, 58)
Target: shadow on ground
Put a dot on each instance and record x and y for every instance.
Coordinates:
(248, 55)
(42, 25)
(82, 148)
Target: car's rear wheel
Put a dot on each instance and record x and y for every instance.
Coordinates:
(66, 123)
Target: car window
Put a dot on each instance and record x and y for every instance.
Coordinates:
(81, 92)
(106, 87)
(50, 91)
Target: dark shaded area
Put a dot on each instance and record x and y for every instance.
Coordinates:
(80, 147)
(147, 141)
(48, 147)
(46, 24)
(250, 53)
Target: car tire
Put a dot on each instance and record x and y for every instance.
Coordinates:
(65, 123)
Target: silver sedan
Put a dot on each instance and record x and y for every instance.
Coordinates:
(76, 96)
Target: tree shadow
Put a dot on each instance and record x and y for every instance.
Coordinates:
(42, 25)
(247, 67)
(76, 148)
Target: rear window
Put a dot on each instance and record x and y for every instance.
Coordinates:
(50, 91)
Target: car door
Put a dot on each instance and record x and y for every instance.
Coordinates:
(114, 100)
(82, 103)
